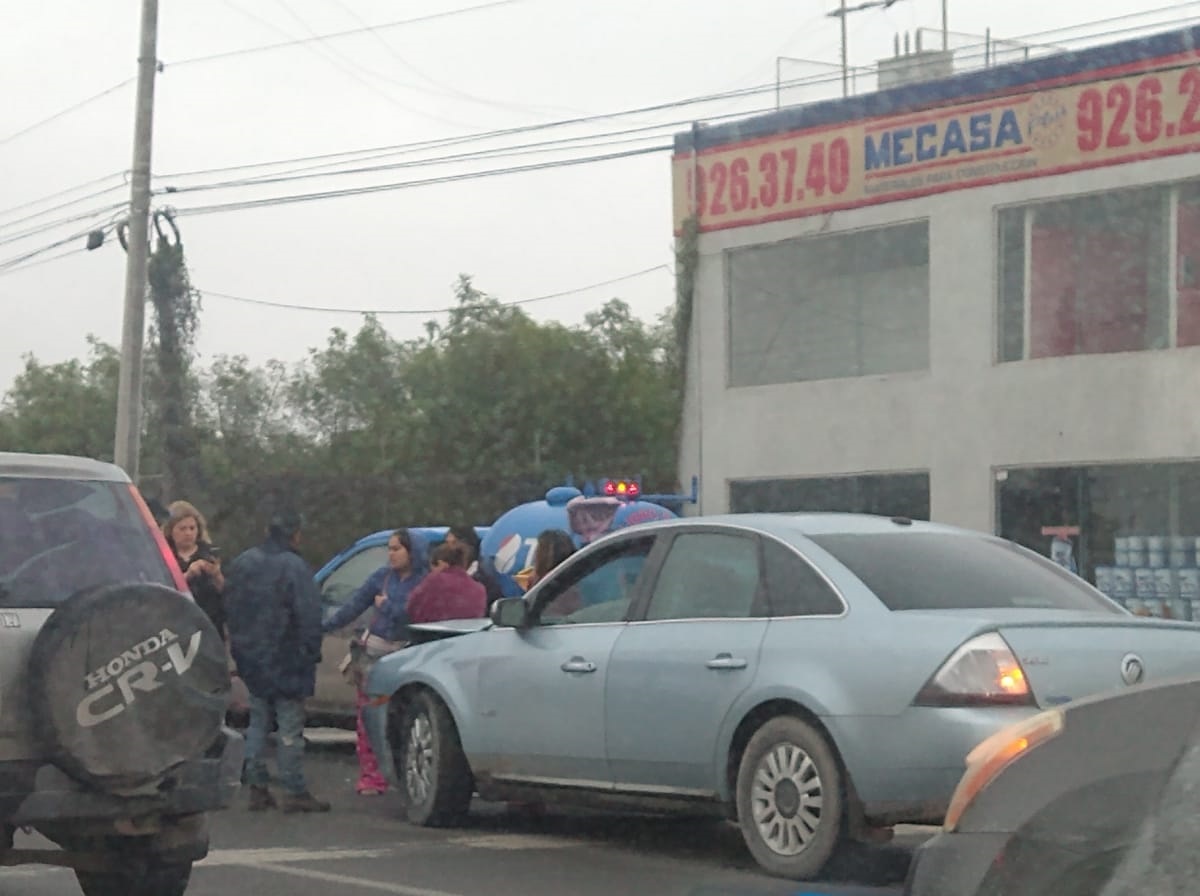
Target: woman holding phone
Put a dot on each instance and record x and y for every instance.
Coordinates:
(187, 534)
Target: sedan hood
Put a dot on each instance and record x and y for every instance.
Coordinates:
(450, 627)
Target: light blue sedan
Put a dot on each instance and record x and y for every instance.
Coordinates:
(816, 677)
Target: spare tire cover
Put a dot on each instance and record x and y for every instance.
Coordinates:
(126, 682)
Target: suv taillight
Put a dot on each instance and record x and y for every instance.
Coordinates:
(982, 672)
(164, 549)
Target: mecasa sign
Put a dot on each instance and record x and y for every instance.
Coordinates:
(1148, 108)
(114, 686)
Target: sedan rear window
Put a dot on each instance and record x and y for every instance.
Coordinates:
(59, 537)
(931, 571)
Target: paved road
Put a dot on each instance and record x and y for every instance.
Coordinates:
(361, 848)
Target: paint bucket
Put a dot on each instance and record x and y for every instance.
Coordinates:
(1156, 550)
(1182, 552)
(1136, 545)
(1189, 584)
(1122, 585)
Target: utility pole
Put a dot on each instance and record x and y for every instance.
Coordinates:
(127, 451)
(840, 13)
(845, 53)
(945, 25)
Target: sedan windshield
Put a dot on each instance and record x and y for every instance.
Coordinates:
(932, 571)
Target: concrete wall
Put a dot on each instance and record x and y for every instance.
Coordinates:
(965, 417)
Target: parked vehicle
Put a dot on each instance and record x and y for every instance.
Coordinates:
(812, 676)
(337, 580)
(1056, 805)
(506, 547)
(115, 684)
(585, 513)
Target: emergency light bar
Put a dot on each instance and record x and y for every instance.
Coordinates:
(630, 489)
(622, 488)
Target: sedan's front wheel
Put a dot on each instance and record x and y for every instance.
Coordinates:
(434, 774)
(789, 798)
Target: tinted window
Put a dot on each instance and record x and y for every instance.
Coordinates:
(597, 588)
(794, 588)
(348, 577)
(58, 537)
(885, 494)
(839, 305)
(707, 576)
(926, 571)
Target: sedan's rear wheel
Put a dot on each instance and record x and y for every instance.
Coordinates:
(789, 798)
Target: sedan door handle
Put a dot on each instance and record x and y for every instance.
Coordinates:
(726, 661)
(578, 664)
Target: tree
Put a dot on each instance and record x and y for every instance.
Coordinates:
(645, 380)
(483, 412)
(176, 318)
(64, 408)
(353, 396)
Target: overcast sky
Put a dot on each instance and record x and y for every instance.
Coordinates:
(520, 235)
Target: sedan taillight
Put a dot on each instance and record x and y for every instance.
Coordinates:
(982, 672)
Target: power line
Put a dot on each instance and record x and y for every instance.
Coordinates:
(336, 60)
(64, 192)
(54, 225)
(229, 54)
(11, 263)
(443, 89)
(393, 312)
(443, 142)
(61, 206)
(401, 149)
(815, 80)
(597, 141)
(67, 111)
(17, 268)
(401, 185)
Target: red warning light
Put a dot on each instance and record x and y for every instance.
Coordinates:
(634, 490)
(610, 487)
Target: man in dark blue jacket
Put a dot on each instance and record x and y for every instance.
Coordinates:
(273, 612)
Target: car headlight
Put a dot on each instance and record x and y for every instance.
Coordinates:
(994, 755)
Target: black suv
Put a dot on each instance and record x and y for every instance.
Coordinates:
(113, 684)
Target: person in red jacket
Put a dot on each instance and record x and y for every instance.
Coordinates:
(448, 592)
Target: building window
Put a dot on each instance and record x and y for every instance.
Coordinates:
(1087, 275)
(1139, 527)
(1188, 266)
(890, 494)
(846, 305)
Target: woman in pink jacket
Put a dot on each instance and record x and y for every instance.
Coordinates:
(448, 592)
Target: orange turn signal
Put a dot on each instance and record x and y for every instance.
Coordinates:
(992, 756)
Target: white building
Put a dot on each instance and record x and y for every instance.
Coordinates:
(975, 300)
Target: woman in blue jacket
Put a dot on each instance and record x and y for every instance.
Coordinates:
(387, 589)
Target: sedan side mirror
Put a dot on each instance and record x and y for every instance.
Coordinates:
(510, 612)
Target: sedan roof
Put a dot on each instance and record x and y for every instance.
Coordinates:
(786, 525)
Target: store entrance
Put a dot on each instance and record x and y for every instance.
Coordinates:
(1138, 526)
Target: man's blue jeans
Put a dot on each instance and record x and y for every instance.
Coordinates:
(289, 749)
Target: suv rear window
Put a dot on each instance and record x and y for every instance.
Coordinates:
(930, 571)
(60, 536)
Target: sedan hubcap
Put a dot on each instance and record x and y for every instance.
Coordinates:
(786, 799)
(418, 759)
